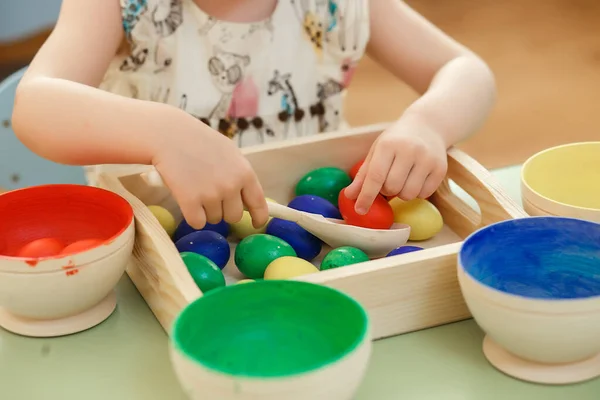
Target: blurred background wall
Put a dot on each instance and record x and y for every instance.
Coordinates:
(545, 54)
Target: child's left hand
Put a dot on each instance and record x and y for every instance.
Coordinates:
(408, 160)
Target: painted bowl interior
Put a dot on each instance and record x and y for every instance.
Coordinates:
(567, 174)
(270, 329)
(66, 212)
(540, 257)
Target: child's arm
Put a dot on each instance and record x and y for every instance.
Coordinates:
(61, 115)
(458, 92)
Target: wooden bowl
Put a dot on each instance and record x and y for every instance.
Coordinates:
(59, 294)
(563, 181)
(271, 340)
(533, 285)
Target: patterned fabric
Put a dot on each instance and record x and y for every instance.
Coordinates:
(279, 78)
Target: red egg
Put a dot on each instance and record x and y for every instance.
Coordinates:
(81, 245)
(380, 216)
(45, 247)
(354, 170)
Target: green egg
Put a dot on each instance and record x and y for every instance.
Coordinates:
(204, 272)
(254, 254)
(326, 182)
(343, 256)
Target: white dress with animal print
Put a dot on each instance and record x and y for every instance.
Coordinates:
(280, 78)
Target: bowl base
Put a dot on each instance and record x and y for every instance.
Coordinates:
(59, 327)
(550, 374)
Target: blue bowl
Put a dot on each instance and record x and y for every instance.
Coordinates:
(537, 257)
(533, 285)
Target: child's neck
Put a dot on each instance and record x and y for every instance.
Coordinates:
(238, 10)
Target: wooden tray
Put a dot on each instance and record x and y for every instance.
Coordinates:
(404, 293)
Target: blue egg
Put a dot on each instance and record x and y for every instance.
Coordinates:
(315, 205)
(184, 229)
(305, 244)
(403, 250)
(209, 244)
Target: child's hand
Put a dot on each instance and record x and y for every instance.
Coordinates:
(408, 160)
(210, 179)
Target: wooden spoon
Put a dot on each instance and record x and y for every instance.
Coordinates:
(336, 233)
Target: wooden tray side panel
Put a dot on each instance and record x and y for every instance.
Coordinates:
(482, 186)
(156, 269)
(403, 294)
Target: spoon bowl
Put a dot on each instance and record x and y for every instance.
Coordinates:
(336, 233)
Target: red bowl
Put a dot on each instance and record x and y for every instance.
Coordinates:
(69, 213)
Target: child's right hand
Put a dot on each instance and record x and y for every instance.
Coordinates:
(210, 178)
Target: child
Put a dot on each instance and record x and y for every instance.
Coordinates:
(255, 71)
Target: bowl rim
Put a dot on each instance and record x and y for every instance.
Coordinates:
(117, 197)
(533, 158)
(362, 338)
(496, 293)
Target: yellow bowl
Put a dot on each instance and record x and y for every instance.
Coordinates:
(563, 181)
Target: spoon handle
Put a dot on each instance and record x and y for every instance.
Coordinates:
(283, 212)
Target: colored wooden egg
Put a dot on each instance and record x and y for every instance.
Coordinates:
(355, 168)
(245, 281)
(324, 182)
(305, 244)
(343, 256)
(165, 219)
(254, 254)
(403, 250)
(379, 216)
(244, 228)
(205, 273)
(207, 243)
(183, 229)
(45, 247)
(289, 267)
(81, 245)
(315, 205)
(423, 217)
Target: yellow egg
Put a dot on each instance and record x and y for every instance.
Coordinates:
(423, 217)
(289, 267)
(243, 228)
(165, 218)
(245, 281)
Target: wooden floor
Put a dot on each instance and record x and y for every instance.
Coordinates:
(545, 54)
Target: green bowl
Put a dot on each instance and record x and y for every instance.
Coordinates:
(273, 339)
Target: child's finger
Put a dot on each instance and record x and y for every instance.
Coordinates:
(397, 176)
(353, 190)
(414, 183)
(254, 199)
(233, 209)
(214, 210)
(194, 215)
(377, 173)
(432, 182)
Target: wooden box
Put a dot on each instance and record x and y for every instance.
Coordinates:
(403, 293)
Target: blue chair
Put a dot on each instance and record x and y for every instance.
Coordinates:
(19, 166)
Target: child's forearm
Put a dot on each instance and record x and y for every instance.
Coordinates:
(75, 124)
(458, 100)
